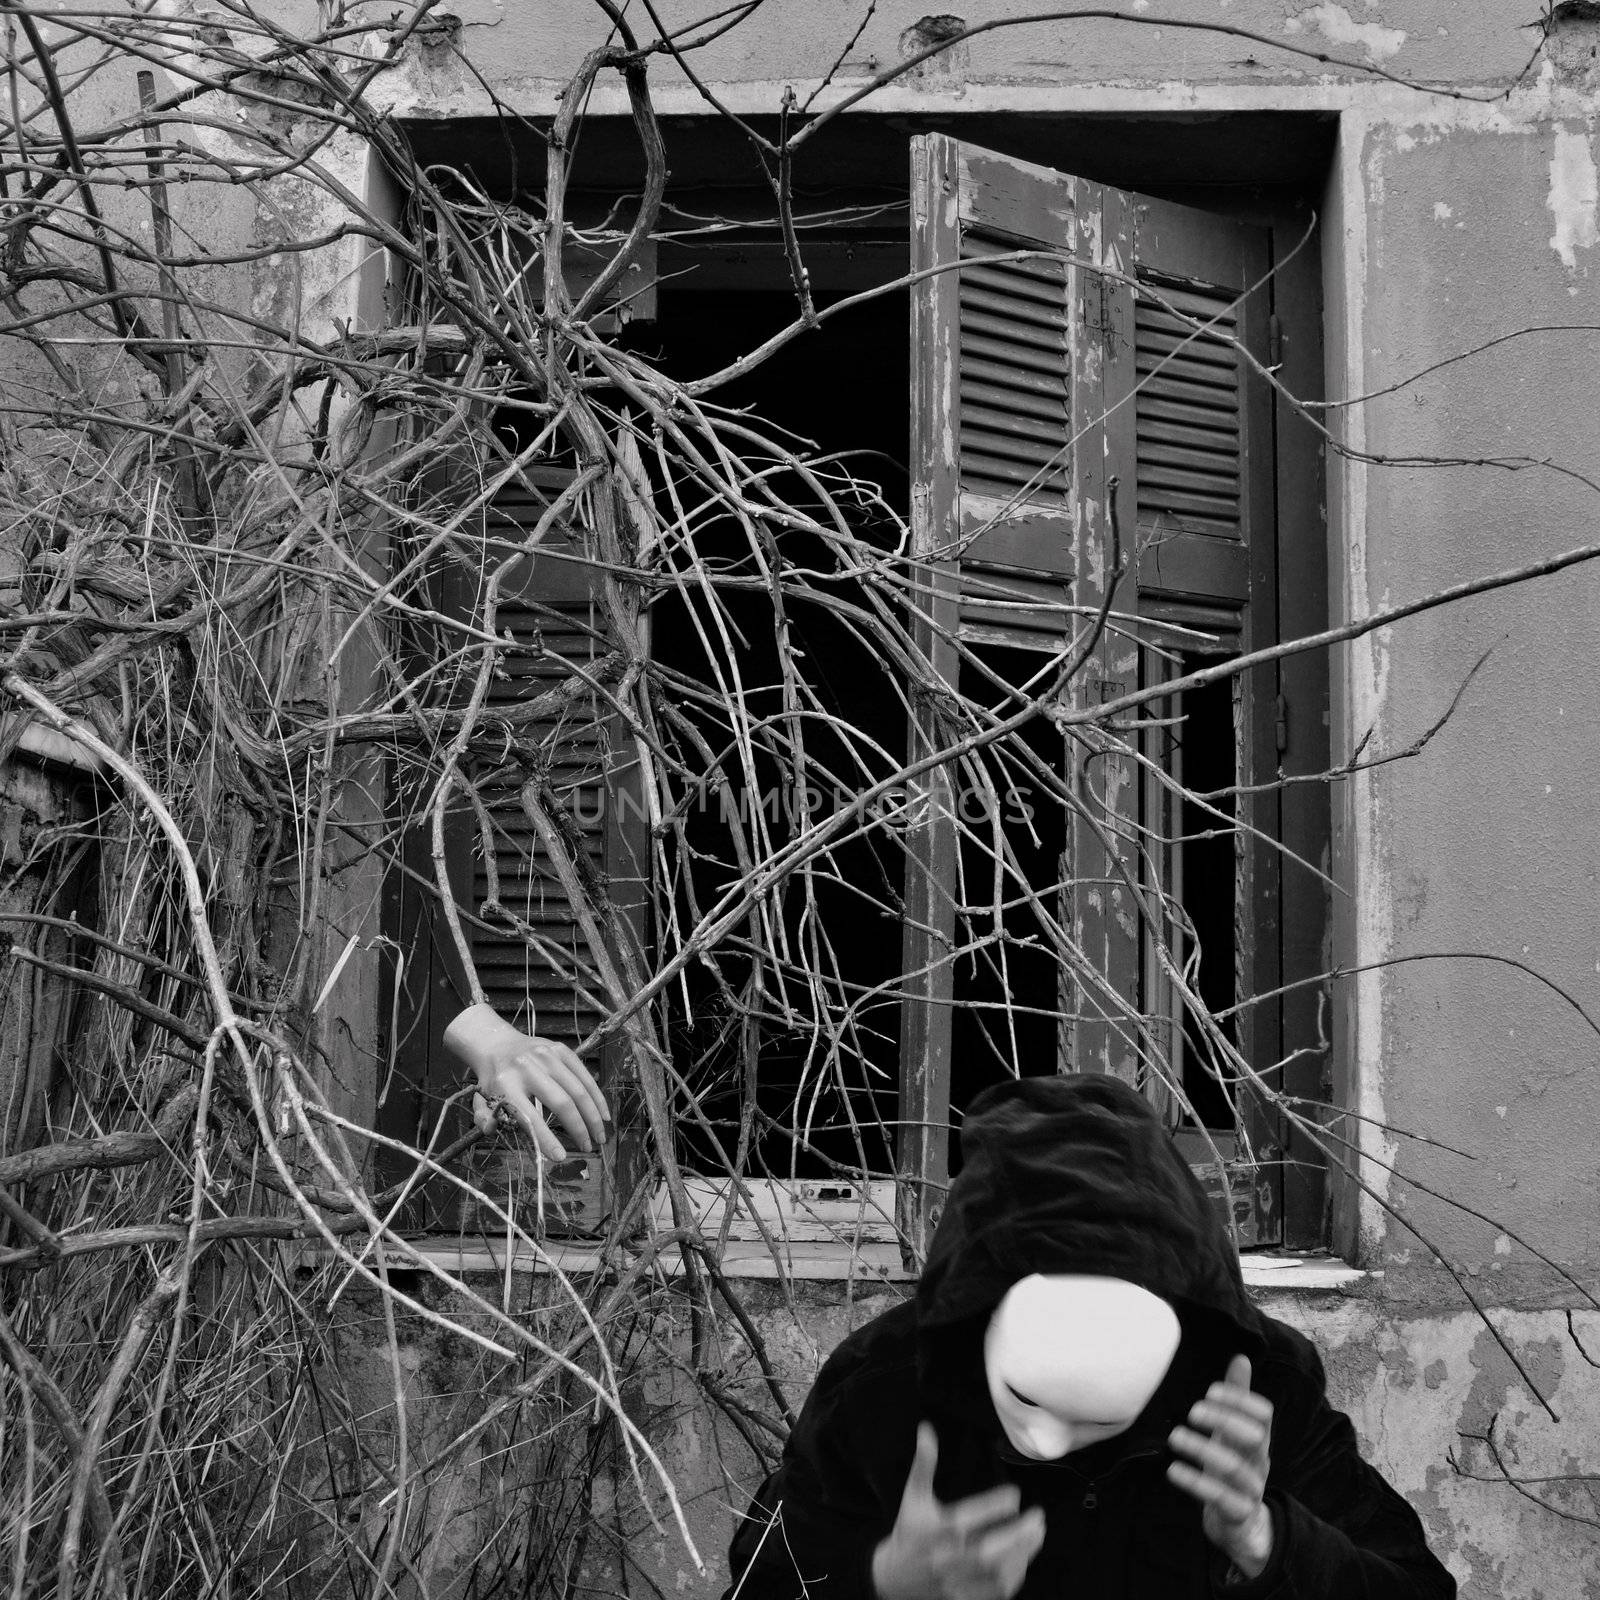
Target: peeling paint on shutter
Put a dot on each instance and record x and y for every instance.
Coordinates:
(1014, 383)
(1188, 411)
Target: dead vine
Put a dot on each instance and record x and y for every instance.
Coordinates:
(277, 622)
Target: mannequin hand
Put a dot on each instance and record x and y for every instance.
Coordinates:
(521, 1072)
(1226, 1469)
(973, 1549)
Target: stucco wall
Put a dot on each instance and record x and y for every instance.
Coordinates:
(523, 50)
(1482, 845)
(1422, 1391)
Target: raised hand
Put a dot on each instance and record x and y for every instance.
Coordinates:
(973, 1549)
(1227, 1453)
(521, 1072)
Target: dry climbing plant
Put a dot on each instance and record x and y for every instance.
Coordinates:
(227, 532)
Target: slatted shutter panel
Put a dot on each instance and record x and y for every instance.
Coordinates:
(1204, 490)
(536, 968)
(553, 628)
(1006, 496)
(1060, 375)
(1015, 385)
(1014, 393)
(1187, 409)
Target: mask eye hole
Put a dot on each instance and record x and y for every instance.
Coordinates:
(1033, 1404)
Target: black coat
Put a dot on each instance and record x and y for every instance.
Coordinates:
(1076, 1175)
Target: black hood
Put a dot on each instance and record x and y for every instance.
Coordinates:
(1070, 1174)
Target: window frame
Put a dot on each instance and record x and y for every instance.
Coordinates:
(1298, 466)
(954, 186)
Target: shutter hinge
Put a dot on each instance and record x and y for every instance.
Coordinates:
(1274, 341)
(1282, 724)
(1097, 304)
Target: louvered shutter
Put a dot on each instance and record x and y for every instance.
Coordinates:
(546, 710)
(1204, 492)
(1035, 382)
(556, 637)
(1203, 418)
(1008, 525)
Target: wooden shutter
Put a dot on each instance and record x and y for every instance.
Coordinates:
(531, 955)
(557, 639)
(1204, 493)
(1035, 383)
(1009, 527)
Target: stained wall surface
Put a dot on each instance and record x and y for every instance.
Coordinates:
(1437, 1405)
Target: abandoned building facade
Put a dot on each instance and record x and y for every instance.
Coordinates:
(1325, 350)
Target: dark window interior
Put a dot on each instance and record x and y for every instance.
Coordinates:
(1205, 753)
(843, 387)
(837, 388)
(990, 1043)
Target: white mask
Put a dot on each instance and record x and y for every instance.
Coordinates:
(1072, 1360)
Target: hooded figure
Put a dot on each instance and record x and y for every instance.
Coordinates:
(1074, 1176)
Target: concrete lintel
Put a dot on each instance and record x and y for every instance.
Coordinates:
(402, 95)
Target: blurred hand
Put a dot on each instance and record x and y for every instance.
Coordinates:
(523, 1072)
(973, 1549)
(1227, 1453)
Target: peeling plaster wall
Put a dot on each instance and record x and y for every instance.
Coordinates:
(524, 49)
(206, 218)
(1484, 844)
(1421, 1390)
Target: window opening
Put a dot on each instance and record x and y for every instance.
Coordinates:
(1192, 852)
(826, 1088)
(844, 387)
(1007, 994)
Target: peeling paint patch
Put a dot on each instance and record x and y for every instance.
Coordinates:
(1336, 25)
(478, 13)
(1574, 198)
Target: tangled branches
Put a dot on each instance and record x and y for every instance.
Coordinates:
(395, 617)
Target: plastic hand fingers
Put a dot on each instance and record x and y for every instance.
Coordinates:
(533, 1123)
(972, 1516)
(524, 1078)
(482, 1114)
(591, 1089)
(557, 1077)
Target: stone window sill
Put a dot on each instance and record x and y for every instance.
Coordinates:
(832, 1261)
